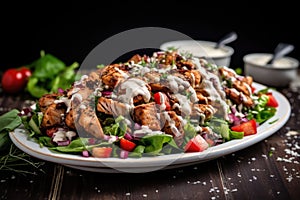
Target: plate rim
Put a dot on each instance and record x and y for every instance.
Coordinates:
(21, 139)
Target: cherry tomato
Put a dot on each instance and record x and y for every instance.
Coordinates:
(26, 72)
(14, 80)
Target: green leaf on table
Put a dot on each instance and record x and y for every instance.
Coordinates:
(10, 120)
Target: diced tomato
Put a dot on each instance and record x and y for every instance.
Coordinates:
(161, 98)
(127, 144)
(249, 127)
(253, 89)
(196, 144)
(272, 101)
(101, 152)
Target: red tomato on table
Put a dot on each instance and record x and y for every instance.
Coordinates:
(14, 80)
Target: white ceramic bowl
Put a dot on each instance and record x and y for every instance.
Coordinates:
(198, 48)
(279, 74)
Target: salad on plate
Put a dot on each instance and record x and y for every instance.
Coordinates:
(167, 103)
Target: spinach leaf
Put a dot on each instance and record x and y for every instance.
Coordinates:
(50, 74)
(155, 143)
(10, 120)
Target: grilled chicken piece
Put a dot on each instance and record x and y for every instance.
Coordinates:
(241, 83)
(82, 94)
(54, 115)
(182, 64)
(159, 87)
(46, 100)
(173, 126)
(203, 96)
(193, 77)
(138, 58)
(111, 107)
(138, 100)
(95, 76)
(152, 77)
(239, 97)
(167, 58)
(227, 72)
(248, 80)
(112, 76)
(70, 119)
(242, 87)
(203, 112)
(146, 115)
(88, 120)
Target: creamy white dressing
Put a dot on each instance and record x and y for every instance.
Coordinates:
(203, 50)
(163, 70)
(146, 130)
(112, 139)
(172, 124)
(125, 75)
(185, 104)
(162, 100)
(66, 101)
(278, 63)
(241, 95)
(176, 84)
(134, 87)
(77, 96)
(61, 135)
(193, 80)
(211, 84)
(81, 81)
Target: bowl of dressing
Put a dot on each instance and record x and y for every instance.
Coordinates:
(203, 49)
(278, 74)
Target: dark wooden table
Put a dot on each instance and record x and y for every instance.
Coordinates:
(269, 169)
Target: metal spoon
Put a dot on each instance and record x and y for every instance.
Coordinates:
(281, 50)
(230, 37)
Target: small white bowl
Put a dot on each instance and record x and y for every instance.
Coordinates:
(279, 74)
(204, 49)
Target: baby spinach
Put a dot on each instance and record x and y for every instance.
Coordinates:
(49, 74)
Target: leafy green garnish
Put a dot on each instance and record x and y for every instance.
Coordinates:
(50, 74)
(10, 120)
(118, 128)
(261, 112)
(220, 126)
(154, 144)
(12, 158)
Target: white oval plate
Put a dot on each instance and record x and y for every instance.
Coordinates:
(145, 164)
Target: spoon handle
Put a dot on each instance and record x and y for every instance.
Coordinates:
(226, 39)
(281, 50)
